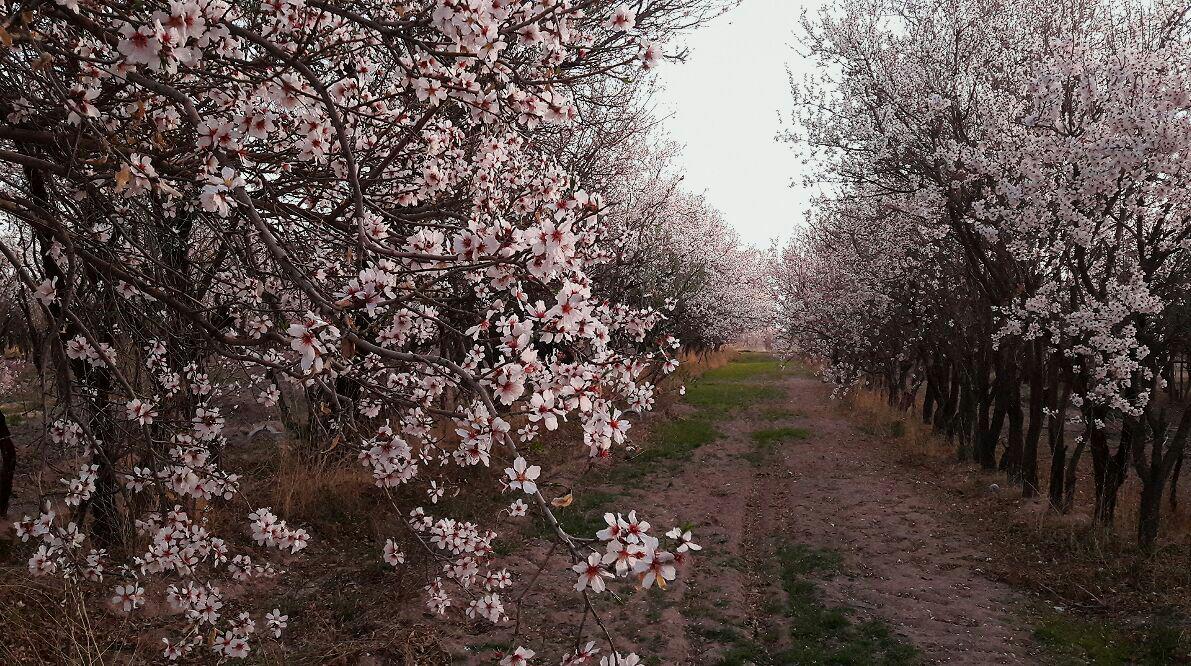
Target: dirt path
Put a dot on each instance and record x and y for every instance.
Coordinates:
(914, 565)
(813, 536)
(817, 548)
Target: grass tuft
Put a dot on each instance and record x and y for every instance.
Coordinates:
(1074, 640)
(771, 436)
(819, 634)
(675, 440)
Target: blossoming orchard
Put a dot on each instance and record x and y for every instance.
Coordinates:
(1011, 234)
(395, 332)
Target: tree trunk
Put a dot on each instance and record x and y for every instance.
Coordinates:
(1029, 465)
(1174, 482)
(992, 437)
(1012, 458)
(961, 426)
(1149, 514)
(985, 451)
(8, 464)
(1072, 476)
(944, 414)
(1164, 454)
(1109, 469)
(928, 401)
(107, 526)
(1057, 436)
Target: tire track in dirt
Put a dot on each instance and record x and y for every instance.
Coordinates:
(767, 522)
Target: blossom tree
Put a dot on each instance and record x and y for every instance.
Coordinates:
(356, 203)
(676, 253)
(1007, 227)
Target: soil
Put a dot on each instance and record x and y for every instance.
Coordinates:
(913, 562)
(906, 560)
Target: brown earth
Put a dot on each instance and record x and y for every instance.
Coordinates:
(914, 563)
(906, 560)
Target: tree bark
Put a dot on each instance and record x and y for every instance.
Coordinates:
(1057, 436)
(1109, 469)
(8, 464)
(1011, 458)
(1072, 476)
(928, 400)
(1001, 389)
(1174, 482)
(1164, 454)
(1029, 458)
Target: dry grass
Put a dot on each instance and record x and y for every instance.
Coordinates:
(915, 439)
(911, 435)
(322, 492)
(694, 365)
(32, 611)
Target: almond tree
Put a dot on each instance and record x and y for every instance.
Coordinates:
(350, 204)
(1008, 227)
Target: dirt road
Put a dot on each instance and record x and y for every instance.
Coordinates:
(819, 550)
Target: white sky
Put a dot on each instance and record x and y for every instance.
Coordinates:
(726, 103)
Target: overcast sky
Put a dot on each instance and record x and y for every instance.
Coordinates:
(725, 105)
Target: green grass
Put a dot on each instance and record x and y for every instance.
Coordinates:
(1073, 640)
(799, 560)
(771, 436)
(765, 442)
(675, 440)
(718, 635)
(714, 395)
(14, 419)
(721, 397)
(819, 634)
(504, 547)
(823, 634)
(737, 385)
(745, 366)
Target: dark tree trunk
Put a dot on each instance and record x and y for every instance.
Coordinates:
(1011, 460)
(985, 450)
(1072, 476)
(8, 464)
(988, 444)
(1174, 481)
(1109, 469)
(1029, 458)
(1149, 515)
(961, 426)
(1056, 436)
(945, 414)
(928, 401)
(1164, 454)
(108, 525)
